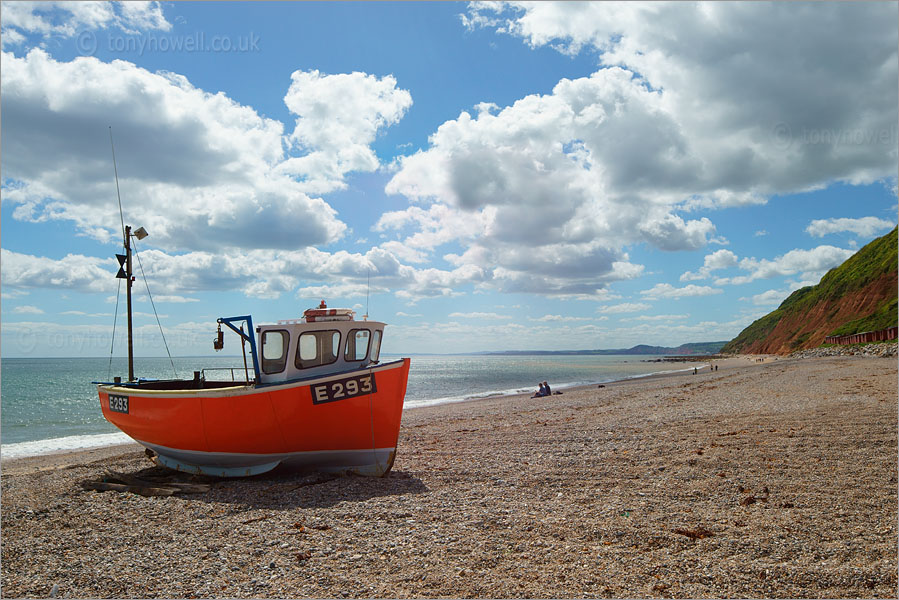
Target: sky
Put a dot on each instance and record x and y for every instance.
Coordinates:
(482, 176)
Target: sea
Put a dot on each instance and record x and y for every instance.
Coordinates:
(51, 404)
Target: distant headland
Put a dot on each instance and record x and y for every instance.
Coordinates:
(701, 348)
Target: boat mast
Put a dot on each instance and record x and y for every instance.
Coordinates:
(129, 281)
(126, 273)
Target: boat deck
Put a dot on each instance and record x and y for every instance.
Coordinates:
(179, 384)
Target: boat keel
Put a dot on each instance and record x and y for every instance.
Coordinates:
(215, 470)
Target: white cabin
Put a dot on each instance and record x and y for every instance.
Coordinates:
(325, 341)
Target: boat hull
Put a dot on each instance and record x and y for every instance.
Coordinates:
(347, 422)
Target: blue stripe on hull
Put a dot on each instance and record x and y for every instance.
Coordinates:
(373, 463)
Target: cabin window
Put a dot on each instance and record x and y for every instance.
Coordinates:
(274, 351)
(376, 346)
(357, 344)
(317, 348)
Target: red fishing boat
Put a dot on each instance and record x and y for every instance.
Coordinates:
(319, 398)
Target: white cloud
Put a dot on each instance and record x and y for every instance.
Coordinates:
(260, 273)
(542, 196)
(666, 290)
(657, 318)
(257, 273)
(27, 309)
(532, 183)
(431, 283)
(10, 37)
(556, 185)
(338, 118)
(478, 315)
(720, 259)
(568, 27)
(863, 227)
(195, 168)
(775, 297)
(143, 15)
(562, 319)
(174, 298)
(546, 170)
(206, 176)
(730, 119)
(9, 294)
(770, 297)
(625, 307)
(437, 225)
(67, 19)
(810, 264)
(486, 107)
(74, 272)
(199, 171)
(333, 292)
(672, 233)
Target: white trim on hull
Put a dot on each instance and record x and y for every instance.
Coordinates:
(370, 462)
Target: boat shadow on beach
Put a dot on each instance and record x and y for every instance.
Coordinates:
(284, 489)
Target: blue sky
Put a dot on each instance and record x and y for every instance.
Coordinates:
(505, 175)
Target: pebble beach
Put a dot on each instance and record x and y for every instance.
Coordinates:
(760, 479)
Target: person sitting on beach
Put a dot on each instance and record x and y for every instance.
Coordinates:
(540, 393)
(549, 392)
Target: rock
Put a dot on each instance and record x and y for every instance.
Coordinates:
(883, 350)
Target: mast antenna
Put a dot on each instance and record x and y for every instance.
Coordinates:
(124, 262)
(116, 171)
(367, 291)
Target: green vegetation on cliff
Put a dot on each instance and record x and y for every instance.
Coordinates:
(863, 269)
(883, 317)
(860, 269)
